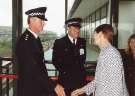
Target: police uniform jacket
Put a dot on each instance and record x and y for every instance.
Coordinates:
(69, 61)
(33, 78)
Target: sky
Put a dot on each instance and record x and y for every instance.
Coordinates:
(5, 13)
(55, 13)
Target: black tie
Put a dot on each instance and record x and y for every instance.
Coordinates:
(39, 42)
(73, 42)
(38, 39)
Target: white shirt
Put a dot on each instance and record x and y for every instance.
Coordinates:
(35, 35)
(71, 39)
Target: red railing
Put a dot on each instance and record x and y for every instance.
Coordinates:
(8, 76)
(88, 78)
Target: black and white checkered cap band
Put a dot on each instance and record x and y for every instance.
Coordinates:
(36, 14)
(73, 23)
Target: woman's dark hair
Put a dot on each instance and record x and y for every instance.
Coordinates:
(129, 51)
(107, 30)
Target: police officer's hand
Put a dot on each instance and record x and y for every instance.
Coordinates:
(60, 90)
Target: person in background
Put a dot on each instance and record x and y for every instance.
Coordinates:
(69, 54)
(129, 65)
(33, 78)
(109, 76)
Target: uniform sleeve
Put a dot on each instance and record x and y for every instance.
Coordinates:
(26, 62)
(57, 56)
(30, 62)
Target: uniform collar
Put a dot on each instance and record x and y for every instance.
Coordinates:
(71, 39)
(33, 33)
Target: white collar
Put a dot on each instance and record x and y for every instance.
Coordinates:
(35, 35)
(71, 39)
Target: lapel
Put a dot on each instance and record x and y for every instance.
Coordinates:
(30, 35)
(68, 42)
(74, 50)
(39, 43)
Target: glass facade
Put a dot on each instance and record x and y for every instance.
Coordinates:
(92, 21)
(89, 24)
(126, 26)
(6, 28)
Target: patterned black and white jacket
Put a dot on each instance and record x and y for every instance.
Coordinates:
(109, 77)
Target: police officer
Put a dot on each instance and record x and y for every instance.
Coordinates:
(33, 78)
(69, 54)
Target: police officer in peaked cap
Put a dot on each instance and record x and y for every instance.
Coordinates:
(69, 54)
(33, 78)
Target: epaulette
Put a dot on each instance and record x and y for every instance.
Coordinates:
(26, 37)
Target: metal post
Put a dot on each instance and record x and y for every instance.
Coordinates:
(0, 78)
(16, 32)
(66, 10)
(7, 81)
(114, 19)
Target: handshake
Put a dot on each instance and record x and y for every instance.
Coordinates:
(60, 91)
(78, 92)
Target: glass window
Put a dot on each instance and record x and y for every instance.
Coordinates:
(103, 12)
(93, 17)
(103, 21)
(126, 25)
(97, 15)
(5, 28)
(82, 31)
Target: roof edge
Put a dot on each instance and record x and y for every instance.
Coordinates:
(74, 7)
